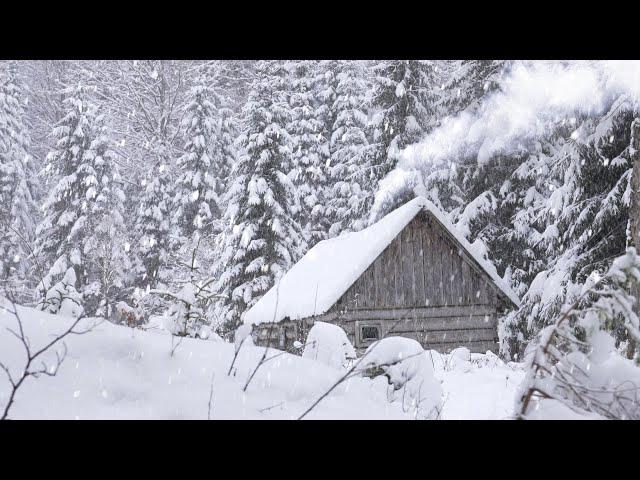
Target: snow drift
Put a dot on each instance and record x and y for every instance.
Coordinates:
(329, 344)
(115, 372)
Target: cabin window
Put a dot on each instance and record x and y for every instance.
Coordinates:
(369, 332)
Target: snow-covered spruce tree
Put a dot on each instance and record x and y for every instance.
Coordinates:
(325, 84)
(310, 146)
(348, 193)
(466, 82)
(209, 131)
(62, 298)
(487, 191)
(18, 212)
(58, 243)
(405, 102)
(456, 86)
(83, 228)
(262, 238)
(572, 218)
(634, 214)
(153, 223)
(573, 367)
(232, 79)
(104, 247)
(43, 82)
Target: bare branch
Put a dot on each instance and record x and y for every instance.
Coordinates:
(31, 356)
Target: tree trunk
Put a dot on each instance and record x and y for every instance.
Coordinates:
(634, 213)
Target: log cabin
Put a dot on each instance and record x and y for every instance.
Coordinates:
(410, 274)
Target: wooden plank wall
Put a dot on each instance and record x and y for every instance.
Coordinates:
(442, 331)
(420, 267)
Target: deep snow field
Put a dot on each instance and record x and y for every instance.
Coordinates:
(114, 372)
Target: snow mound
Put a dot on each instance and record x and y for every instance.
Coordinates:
(328, 343)
(410, 371)
(461, 353)
(477, 385)
(314, 284)
(63, 298)
(460, 359)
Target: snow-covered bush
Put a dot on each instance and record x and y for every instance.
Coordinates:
(575, 364)
(185, 317)
(459, 359)
(189, 308)
(328, 343)
(124, 313)
(405, 363)
(63, 298)
(489, 359)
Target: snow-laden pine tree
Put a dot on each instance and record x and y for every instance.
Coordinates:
(65, 209)
(405, 99)
(105, 243)
(262, 238)
(405, 103)
(83, 227)
(633, 236)
(465, 85)
(44, 80)
(634, 214)
(209, 131)
(348, 193)
(572, 218)
(18, 211)
(550, 211)
(310, 146)
(153, 222)
(466, 82)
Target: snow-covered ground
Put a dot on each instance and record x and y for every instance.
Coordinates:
(115, 372)
(482, 388)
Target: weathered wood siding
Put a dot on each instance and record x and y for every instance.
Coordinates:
(421, 286)
(421, 267)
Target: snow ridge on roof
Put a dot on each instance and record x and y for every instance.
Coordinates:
(314, 284)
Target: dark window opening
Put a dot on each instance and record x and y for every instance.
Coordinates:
(370, 333)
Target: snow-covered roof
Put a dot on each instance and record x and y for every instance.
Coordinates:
(314, 284)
